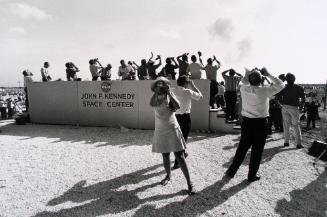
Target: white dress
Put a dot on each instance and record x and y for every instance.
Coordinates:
(167, 134)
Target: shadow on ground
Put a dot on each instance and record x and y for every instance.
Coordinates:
(309, 201)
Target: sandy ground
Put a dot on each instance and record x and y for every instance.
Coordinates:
(52, 170)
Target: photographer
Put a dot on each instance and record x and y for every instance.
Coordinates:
(45, 72)
(170, 68)
(71, 71)
(142, 71)
(132, 73)
(255, 105)
(105, 73)
(153, 67)
(211, 72)
(195, 68)
(167, 134)
(183, 64)
(95, 66)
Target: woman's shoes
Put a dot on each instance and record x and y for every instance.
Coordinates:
(165, 181)
(191, 190)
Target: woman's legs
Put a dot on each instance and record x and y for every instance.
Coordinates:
(182, 163)
(166, 163)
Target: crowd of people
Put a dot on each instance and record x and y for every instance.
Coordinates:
(10, 103)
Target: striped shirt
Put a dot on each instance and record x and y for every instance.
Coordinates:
(231, 82)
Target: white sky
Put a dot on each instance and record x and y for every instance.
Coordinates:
(283, 35)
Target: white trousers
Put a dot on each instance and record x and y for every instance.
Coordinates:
(291, 117)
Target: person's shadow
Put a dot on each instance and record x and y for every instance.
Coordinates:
(309, 201)
(106, 197)
(193, 206)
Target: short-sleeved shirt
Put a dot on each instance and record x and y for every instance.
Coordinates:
(124, 71)
(195, 70)
(211, 72)
(182, 67)
(291, 94)
(231, 82)
(45, 73)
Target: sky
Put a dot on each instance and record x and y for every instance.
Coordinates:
(282, 35)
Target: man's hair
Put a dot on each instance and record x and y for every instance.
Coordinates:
(193, 58)
(182, 80)
(255, 78)
(168, 60)
(209, 61)
(143, 61)
(122, 61)
(91, 61)
(46, 63)
(232, 72)
(290, 78)
(184, 57)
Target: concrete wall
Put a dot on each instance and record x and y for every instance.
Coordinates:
(87, 103)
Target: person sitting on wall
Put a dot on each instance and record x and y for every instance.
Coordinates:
(124, 70)
(231, 85)
(132, 74)
(170, 67)
(71, 71)
(152, 67)
(94, 69)
(105, 73)
(142, 71)
(45, 72)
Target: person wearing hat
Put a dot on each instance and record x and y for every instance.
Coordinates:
(185, 92)
(167, 134)
(255, 106)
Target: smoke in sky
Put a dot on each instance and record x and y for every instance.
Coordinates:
(244, 48)
(222, 28)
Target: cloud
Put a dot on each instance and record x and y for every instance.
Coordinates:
(17, 30)
(244, 47)
(169, 34)
(26, 12)
(222, 28)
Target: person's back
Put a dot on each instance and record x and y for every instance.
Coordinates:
(291, 94)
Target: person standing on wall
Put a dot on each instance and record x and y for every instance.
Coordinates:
(231, 86)
(255, 105)
(170, 67)
(183, 64)
(185, 92)
(45, 72)
(152, 68)
(292, 97)
(167, 133)
(195, 68)
(71, 71)
(105, 73)
(27, 78)
(211, 72)
(220, 95)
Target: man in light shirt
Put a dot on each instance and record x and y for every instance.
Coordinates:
(195, 68)
(185, 92)
(255, 106)
(45, 72)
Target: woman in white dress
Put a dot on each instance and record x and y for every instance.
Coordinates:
(167, 134)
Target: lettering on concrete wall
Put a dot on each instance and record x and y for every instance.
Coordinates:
(108, 100)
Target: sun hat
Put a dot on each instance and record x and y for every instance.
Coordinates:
(162, 79)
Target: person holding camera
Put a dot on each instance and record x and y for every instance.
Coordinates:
(45, 72)
(183, 64)
(232, 81)
(142, 70)
(167, 134)
(152, 67)
(255, 105)
(71, 71)
(211, 72)
(95, 68)
(105, 73)
(170, 67)
(195, 68)
(185, 92)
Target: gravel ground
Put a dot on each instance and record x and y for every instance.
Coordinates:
(52, 170)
